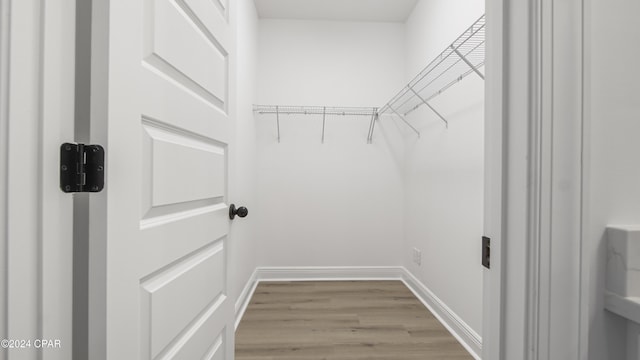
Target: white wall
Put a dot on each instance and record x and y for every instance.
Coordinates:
(613, 195)
(242, 254)
(444, 167)
(337, 203)
(348, 203)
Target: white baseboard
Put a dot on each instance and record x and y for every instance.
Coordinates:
(329, 273)
(456, 326)
(450, 320)
(245, 296)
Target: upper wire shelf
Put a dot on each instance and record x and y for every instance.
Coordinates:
(278, 110)
(463, 57)
(314, 110)
(466, 55)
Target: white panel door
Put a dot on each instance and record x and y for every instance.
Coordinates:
(158, 245)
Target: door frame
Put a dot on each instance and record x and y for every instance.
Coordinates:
(530, 239)
(535, 181)
(494, 179)
(37, 47)
(5, 18)
(557, 274)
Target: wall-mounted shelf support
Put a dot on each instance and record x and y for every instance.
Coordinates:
(324, 119)
(374, 117)
(475, 69)
(446, 123)
(405, 121)
(278, 121)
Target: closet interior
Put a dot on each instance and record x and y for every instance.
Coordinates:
(363, 144)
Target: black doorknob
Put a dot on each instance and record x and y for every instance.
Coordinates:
(241, 211)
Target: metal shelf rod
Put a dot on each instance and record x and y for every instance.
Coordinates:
(319, 110)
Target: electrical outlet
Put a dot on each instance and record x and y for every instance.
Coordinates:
(417, 256)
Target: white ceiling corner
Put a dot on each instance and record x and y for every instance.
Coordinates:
(339, 10)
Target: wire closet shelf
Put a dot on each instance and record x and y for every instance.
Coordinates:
(323, 111)
(466, 55)
(314, 110)
(463, 57)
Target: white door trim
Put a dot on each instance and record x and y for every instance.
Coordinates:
(4, 126)
(554, 254)
(37, 97)
(494, 177)
(585, 250)
(539, 257)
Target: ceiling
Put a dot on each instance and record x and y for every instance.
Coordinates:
(342, 10)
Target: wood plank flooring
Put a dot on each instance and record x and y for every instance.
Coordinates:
(342, 320)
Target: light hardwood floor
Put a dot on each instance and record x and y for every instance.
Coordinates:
(341, 320)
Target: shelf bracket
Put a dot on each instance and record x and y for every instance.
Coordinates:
(468, 62)
(446, 123)
(278, 122)
(374, 117)
(324, 118)
(405, 120)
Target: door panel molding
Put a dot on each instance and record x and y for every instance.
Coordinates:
(168, 315)
(194, 119)
(163, 158)
(176, 42)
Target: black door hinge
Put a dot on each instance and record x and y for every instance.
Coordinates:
(486, 252)
(81, 168)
